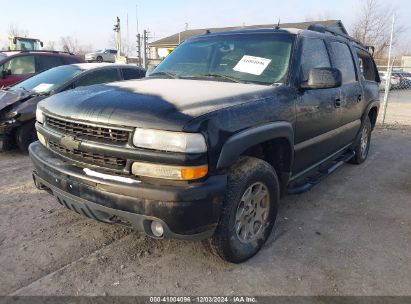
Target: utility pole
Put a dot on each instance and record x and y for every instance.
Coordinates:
(145, 49)
(139, 49)
(118, 36)
(389, 71)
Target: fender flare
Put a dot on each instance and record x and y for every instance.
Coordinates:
(371, 104)
(241, 141)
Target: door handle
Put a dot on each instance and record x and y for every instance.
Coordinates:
(337, 102)
(359, 98)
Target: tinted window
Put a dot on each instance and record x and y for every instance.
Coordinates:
(367, 66)
(70, 60)
(20, 65)
(342, 60)
(103, 76)
(314, 55)
(132, 74)
(48, 62)
(113, 52)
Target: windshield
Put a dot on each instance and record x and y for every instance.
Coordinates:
(255, 58)
(2, 56)
(49, 80)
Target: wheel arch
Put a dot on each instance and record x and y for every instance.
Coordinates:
(371, 111)
(271, 142)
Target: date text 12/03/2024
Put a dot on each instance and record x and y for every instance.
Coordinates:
(203, 299)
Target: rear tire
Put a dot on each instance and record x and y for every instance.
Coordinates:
(363, 147)
(25, 135)
(248, 212)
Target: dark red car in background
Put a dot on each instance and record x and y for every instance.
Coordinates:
(16, 66)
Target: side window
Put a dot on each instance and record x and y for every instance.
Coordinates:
(132, 74)
(48, 62)
(314, 55)
(103, 76)
(70, 60)
(342, 59)
(367, 67)
(20, 65)
(113, 52)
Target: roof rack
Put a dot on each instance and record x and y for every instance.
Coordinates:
(38, 51)
(322, 29)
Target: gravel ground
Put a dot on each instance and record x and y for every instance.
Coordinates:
(349, 235)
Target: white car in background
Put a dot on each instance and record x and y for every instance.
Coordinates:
(394, 83)
(106, 55)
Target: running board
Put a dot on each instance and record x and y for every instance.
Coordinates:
(312, 181)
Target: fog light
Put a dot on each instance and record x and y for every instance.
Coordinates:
(157, 229)
(169, 172)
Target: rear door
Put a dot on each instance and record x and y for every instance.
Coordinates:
(20, 68)
(352, 93)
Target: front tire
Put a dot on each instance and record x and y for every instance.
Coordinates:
(249, 210)
(25, 135)
(363, 147)
(99, 59)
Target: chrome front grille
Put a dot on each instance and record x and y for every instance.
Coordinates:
(80, 130)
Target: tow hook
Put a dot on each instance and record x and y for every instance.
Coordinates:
(39, 185)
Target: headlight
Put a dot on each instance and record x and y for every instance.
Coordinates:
(169, 141)
(169, 172)
(39, 116)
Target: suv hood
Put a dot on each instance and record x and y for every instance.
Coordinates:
(8, 97)
(151, 103)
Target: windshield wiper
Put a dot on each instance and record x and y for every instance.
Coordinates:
(232, 79)
(171, 75)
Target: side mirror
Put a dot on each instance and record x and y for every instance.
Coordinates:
(323, 78)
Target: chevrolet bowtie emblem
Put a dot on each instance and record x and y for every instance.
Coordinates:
(70, 143)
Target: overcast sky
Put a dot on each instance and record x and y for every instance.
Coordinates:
(91, 21)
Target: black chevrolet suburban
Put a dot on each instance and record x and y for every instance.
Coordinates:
(205, 146)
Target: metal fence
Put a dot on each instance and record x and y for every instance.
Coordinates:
(395, 95)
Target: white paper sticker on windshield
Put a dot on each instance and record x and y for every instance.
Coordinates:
(43, 87)
(252, 65)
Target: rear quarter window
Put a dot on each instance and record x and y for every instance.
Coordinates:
(71, 60)
(132, 74)
(367, 67)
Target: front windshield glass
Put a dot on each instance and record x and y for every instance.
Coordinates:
(254, 58)
(49, 80)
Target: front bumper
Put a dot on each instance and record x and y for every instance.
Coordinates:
(189, 211)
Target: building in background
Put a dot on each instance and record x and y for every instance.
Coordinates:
(159, 49)
(406, 63)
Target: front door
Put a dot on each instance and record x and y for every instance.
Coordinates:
(318, 111)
